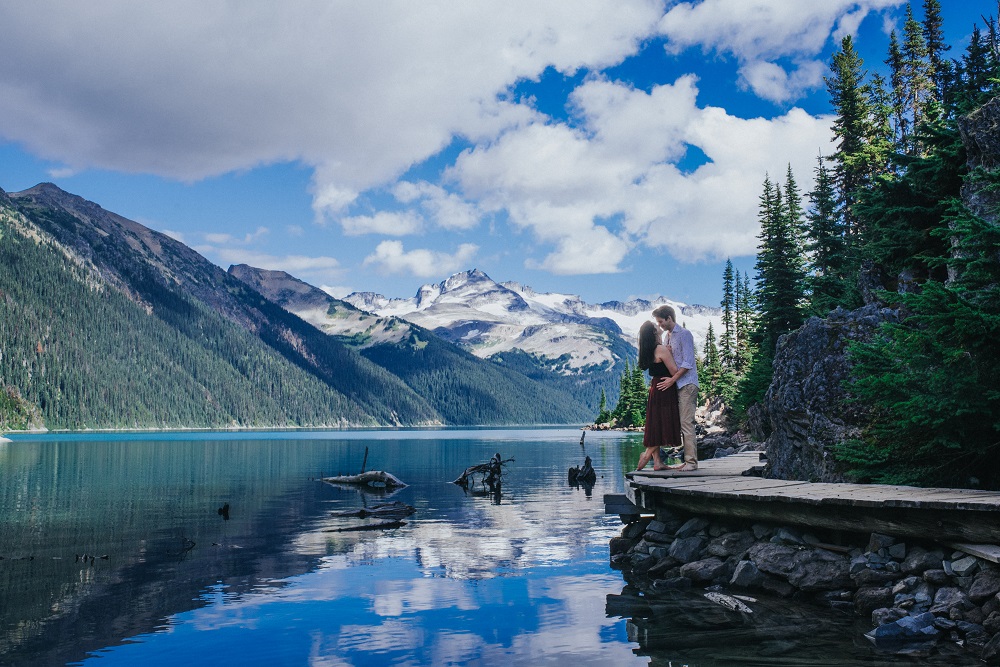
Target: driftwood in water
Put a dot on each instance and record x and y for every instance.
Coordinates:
(393, 510)
(491, 471)
(584, 475)
(371, 526)
(377, 478)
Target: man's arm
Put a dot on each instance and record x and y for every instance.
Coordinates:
(665, 383)
(684, 360)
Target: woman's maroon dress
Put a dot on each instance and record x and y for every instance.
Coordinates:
(663, 419)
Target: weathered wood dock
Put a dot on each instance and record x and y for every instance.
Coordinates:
(727, 487)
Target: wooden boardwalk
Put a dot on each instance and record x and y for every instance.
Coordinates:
(720, 488)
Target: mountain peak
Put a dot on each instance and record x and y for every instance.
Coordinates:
(47, 189)
(464, 278)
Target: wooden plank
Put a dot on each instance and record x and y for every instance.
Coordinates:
(966, 516)
(990, 552)
(618, 503)
(731, 484)
(951, 525)
(702, 471)
(722, 487)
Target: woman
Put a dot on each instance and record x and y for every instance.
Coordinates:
(663, 420)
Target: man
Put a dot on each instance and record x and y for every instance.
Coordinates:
(681, 343)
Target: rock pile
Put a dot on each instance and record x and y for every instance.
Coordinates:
(916, 595)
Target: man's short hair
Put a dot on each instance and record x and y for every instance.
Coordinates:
(665, 313)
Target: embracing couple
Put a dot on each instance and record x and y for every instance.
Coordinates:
(673, 393)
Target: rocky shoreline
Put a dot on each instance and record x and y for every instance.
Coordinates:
(916, 595)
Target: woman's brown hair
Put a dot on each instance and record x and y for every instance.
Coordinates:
(648, 340)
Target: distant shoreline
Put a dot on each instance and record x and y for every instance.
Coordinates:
(272, 429)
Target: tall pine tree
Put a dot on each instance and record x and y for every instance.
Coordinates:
(826, 245)
(727, 341)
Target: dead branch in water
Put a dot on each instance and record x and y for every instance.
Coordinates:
(491, 471)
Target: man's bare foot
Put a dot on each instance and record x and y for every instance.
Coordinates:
(661, 467)
(685, 467)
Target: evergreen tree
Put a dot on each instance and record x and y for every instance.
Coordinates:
(712, 365)
(640, 395)
(745, 306)
(978, 70)
(780, 274)
(917, 82)
(632, 398)
(900, 119)
(931, 380)
(939, 68)
(727, 342)
(846, 87)
(794, 212)
(779, 294)
(603, 416)
(902, 212)
(827, 247)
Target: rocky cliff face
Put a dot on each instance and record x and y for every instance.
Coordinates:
(981, 138)
(805, 406)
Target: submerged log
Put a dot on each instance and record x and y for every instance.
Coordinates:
(372, 478)
(395, 510)
(371, 526)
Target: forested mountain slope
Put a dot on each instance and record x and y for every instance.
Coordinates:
(109, 324)
(88, 356)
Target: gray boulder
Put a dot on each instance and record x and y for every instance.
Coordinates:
(936, 577)
(686, 549)
(885, 615)
(773, 558)
(731, 544)
(985, 585)
(991, 651)
(867, 600)
(819, 573)
(920, 627)
(919, 560)
(747, 575)
(950, 598)
(692, 527)
(704, 570)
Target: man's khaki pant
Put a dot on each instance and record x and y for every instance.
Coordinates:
(687, 400)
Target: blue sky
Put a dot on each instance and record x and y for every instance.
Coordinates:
(605, 148)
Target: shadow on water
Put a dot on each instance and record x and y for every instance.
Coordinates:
(685, 628)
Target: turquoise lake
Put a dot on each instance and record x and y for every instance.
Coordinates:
(114, 552)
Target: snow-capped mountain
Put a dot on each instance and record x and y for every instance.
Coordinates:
(559, 330)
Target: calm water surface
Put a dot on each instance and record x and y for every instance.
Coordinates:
(115, 553)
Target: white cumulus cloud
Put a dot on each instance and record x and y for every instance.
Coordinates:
(358, 90)
(387, 223)
(595, 190)
(365, 94)
(758, 32)
(390, 257)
